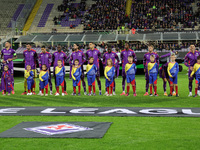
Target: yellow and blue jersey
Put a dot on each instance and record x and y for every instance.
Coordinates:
(173, 69)
(152, 68)
(91, 69)
(196, 70)
(44, 75)
(60, 71)
(29, 75)
(76, 76)
(130, 69)
(109, 73)
(76, 73)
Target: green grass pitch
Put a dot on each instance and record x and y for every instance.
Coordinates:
(125, 133)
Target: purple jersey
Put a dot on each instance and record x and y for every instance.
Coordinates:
(191, 58)
(59, 55)
(77, 55)
(6, 54)
(30, 58)
(111, 55)
(44, 59)
(95, 54)
(146, 59)
(124, 57)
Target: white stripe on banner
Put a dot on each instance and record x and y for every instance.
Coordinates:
(100, 111)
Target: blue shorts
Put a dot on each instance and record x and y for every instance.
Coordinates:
(60, 80)
(77, 82)
(91, 80)
(110, 83)
(130, 79)
(30, 84)
(153, 78)
(174, 80)
(197, 80)
(44, 84)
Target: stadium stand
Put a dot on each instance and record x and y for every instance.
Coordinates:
(166, 14)
(7, 10)
(45, 15)
(106, 15)
(16, 14)
(50, 26)
(71, 16)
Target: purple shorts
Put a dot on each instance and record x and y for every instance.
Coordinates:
(123, 73)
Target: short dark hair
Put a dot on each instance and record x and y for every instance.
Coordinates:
(153, 56)
(59, 60)
(76, 60)
(28, 44)
(44, 65)
(8, 42)
(198, 57)
(130, 57)
(127, 43)
(109, 47)
(43, 46)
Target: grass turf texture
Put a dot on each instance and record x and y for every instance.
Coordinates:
(124, 133)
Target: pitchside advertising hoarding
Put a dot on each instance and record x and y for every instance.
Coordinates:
(100, 111)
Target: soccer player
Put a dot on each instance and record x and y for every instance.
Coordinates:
(6, 81)
(30, 58)
(117, 63)
(152, 68)
(190, 60)
(196, 71)
(93, 52)
(165, 77)
(113, 56)
(109, 73)
(7, 56)
(44, 79)
(173, 69)
(45, 58)
(130, 70)
(29, 78)
(78, 54)
(60, 77)
(59, 55)
(70, 63)
(91, 70)
(146, 60)
(124, 59)
(76, 76)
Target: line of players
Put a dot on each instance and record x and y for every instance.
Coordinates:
(168, 72)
